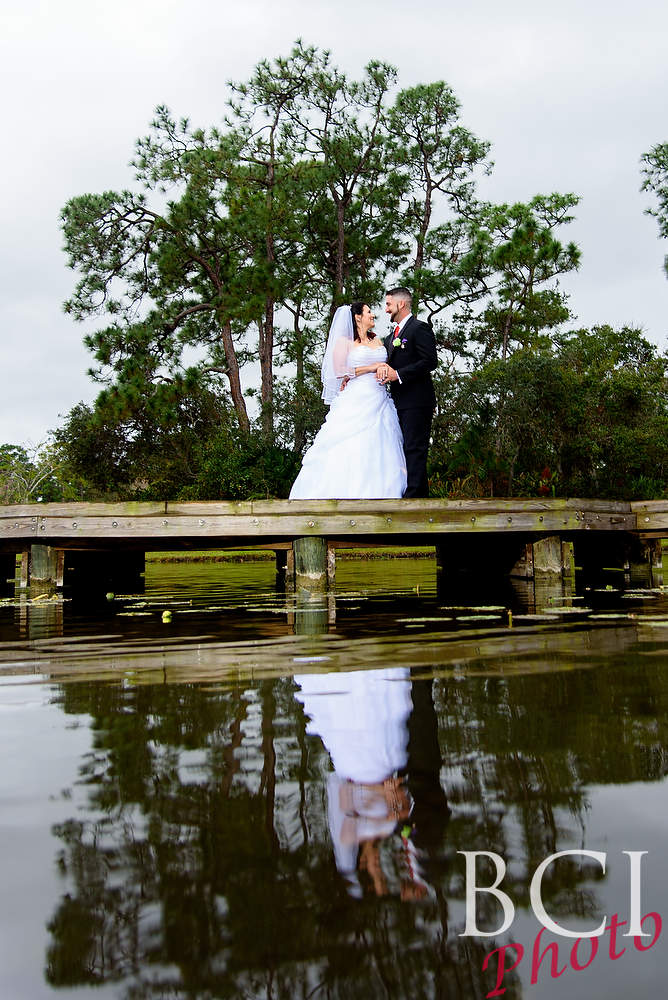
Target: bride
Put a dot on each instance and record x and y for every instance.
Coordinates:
(358, 451)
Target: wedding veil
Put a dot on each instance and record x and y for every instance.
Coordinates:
(339, 342)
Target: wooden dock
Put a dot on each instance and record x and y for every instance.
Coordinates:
(522, 537)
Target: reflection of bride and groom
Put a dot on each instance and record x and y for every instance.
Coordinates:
(386, 808)
(373, 445)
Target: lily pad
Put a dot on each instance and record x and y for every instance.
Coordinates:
(566, 609)
(533, 618)
(444, 618)
(472, 607)
(608, 616)
(478, 618)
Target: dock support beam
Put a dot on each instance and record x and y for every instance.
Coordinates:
(640, 558)
(510, 555)
(331, 565)
(42, 568)
(552, 555)
(646, 561)
(311, 563)
(45, 568)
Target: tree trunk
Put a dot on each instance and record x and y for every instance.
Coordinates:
(234, 378)
(299, 436)
(340, 247)
(419, 252)
(267, 334)
(506, 333)
(266, 368)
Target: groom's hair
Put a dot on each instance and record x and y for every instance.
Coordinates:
(401, 293)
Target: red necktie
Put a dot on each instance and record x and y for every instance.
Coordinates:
(396, 331)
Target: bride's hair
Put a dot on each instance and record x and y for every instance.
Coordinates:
(357, 308)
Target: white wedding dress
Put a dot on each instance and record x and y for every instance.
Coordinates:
(362, 719)
(358, 452)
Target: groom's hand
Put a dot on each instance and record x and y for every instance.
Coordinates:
(386, 374)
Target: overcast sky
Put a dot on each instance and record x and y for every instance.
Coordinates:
(570, 94)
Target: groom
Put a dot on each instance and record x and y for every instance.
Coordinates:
(411, 356)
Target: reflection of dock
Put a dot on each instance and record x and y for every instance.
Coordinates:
(520, 537)
(485, 652)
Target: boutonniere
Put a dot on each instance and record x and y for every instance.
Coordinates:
(397, 342)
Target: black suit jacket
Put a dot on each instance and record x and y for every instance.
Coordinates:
(413, 362)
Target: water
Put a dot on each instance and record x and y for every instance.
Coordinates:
(268, 794)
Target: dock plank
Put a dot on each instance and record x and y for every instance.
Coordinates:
(403, 519)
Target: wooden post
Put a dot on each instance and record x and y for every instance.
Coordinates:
(24, 572)
(547, 555)
(281, 563)
(311, 613)
(311, 563)
(568, 560)
(290, 569)
(331, 565)
(524, 567)
(645, 561)
(44, 567)
(60, 568)
(43, 618)
(651, 559)
(656, 556)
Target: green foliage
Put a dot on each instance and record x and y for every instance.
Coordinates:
(146, 451)
(237, 244)
(655, 173)
(249, 468)
(587, 416)
(437, 159)
(35, 473)
(521, 255)
(316, 188)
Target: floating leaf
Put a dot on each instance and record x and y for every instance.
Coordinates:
(478, 618)
(472, 607)
(567, 610)
(533, 618)
(444, 618)
(608, 616)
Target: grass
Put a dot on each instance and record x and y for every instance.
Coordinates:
(267, 555)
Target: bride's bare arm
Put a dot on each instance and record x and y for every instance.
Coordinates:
(367, 369)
